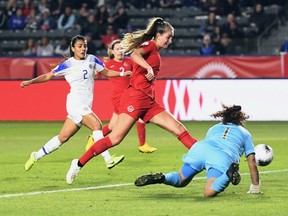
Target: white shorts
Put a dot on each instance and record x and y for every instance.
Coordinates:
(77, 108)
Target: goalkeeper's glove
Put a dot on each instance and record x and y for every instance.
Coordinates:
(254, 189)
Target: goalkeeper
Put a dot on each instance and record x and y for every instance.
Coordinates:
(219, 154)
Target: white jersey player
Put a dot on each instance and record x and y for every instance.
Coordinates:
(79, 71)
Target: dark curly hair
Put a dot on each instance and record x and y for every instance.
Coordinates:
(232, 114)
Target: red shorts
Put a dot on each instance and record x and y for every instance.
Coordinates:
(116, 104)
(138, 105)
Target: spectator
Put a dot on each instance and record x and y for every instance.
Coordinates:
(258, 18)
(90, 44)
(148, 4)
(63, 48)
(109, 37)
(11, 8)
(209, 25)
(121, 18)
(231, 6)
(110, 21)
(207, 48)
(66, 20)
(43, 4)
(212, 6)
(58, 7)
(216, 36)
(170, 3)
(225, 28)
(284, 46)
(45, 48)
(26, 7)
(227, 46)
(82, 17)
(3, 18)
(47, 22)
(30, 48)
(101, 18)
(190, 3)
(32, 20)
(91, 26)
(18, 21)
(236, 34)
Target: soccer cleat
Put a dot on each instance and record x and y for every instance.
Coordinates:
(73, 171)
(154, 178)
(90, 142)
(31, 161)
(114, 161)
(233, 174)
(147, 149)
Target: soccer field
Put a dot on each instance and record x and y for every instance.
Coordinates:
(99, 191)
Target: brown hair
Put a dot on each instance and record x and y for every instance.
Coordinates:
(133, 40)
(232, 114)
(110, 49)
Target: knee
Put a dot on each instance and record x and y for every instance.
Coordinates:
(115, 138)
(63, 138)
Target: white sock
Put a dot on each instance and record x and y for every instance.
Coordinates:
(97, 135)
(52, 145)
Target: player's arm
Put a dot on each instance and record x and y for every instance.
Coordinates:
(137, 57)
(111, 73)
(254, 174)
(40, 79)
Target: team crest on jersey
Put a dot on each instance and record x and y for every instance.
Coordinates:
(146, 43)
(130, 108)
(90, 66)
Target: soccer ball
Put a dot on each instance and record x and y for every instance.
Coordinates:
(263, 154)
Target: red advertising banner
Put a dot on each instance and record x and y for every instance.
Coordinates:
(221, 67)
(171, 67)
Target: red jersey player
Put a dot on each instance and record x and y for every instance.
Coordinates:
(138, 100)
(118, 62)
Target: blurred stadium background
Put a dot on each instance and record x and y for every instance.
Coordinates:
(247, 43)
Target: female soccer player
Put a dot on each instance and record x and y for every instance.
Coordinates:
(138, 100)
(117, 62)
(79, 71)
(219, 154)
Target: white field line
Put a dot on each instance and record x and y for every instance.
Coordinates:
(107, 186)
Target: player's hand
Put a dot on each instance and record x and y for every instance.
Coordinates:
(25, 83)
(254, 189)
(150, 74)
(127, 73)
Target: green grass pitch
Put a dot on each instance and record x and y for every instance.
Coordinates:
(99, 191)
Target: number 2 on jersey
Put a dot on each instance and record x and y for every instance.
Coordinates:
(85, 75)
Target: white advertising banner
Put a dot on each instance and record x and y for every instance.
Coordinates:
(261, 99)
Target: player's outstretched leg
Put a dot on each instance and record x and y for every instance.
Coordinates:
(31, 161)
(110, 163)
(233, 174)
(154, 178)
(73, 171)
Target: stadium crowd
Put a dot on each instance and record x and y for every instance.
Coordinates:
(106, 20)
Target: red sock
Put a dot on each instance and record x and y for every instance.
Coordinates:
(98, 147)
(106, 130)
(141, 130)
(187, 139)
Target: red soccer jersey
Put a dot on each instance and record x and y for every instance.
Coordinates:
(138, 79)
(119, 84)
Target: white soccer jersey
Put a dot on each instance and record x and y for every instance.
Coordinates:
(80, 76)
